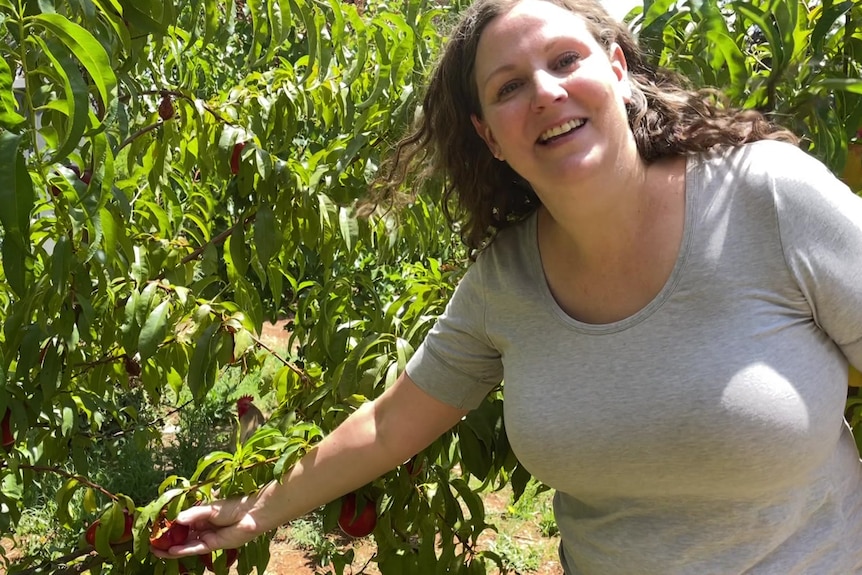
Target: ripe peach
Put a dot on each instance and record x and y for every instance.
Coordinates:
(166, 108)
(166, 533)
(128, 523)
(235, 157)
(355, 525)
(230, 558)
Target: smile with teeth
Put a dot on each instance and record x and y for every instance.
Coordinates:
(560, 130)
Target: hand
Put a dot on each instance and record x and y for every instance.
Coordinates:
(224, 524)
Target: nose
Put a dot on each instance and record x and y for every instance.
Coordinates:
(547, 89)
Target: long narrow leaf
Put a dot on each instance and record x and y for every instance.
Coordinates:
(9, 117)
(76, 97)
(90, 53)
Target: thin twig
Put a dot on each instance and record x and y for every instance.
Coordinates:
(306, 379)
(137, 134)
(218, 240)
(78, 478)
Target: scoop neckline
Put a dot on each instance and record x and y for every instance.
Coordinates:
(538, 272)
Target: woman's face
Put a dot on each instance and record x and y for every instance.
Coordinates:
(552, 99)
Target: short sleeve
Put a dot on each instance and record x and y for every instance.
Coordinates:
(457, 363)
(820, 222)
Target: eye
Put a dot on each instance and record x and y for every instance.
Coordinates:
(567, 60)
(507, 88)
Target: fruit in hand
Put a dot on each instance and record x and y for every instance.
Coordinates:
(353, 524)
(230, 559)
(166, 108)
(6, 437)
(235, 157)
(167, 533)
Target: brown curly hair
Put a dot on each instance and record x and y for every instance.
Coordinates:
(482, 195)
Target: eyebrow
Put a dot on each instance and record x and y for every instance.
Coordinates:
(499, 70)
(549, 47)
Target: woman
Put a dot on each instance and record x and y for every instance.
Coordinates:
(670, 292)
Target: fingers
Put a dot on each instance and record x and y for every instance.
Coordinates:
(218, 525)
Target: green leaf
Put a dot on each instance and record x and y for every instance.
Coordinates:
(212, 14)
(476, 458)
(519, 479)
(266, 236)
(9, 117)
(655, 10)
(64, 501)
(15, 267)
(154, 330)
(826, 22)
(16, 191)
(90, 53)
(853, 85)
(237, 249)
(759, 18)
(76, 104)
(17, 199)
(349, 228)
(311, 35)
(202, 367)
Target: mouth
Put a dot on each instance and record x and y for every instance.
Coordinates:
(561, 130)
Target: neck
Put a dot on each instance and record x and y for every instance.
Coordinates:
(604, 221)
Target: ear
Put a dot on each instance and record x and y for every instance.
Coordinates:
(487, 136)
(621, 69)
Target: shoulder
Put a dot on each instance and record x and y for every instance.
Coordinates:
(771, 160)
(510, 247)
(769, 172)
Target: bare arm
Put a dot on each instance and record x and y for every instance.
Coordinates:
(377, 437)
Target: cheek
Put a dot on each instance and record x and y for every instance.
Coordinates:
(505, 120)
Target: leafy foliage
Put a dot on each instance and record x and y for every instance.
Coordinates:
(177, 173)
(799, 62)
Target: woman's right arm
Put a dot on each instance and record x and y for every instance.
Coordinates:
(377, 437)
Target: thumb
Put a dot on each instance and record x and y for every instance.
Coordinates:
(215, 514)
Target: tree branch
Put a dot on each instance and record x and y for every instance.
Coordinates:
(137, 135)
(78, 478)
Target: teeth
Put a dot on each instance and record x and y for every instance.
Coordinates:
(567, 127)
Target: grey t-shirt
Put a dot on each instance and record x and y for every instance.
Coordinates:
(705, 433)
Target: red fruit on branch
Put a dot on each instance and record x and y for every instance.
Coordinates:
(235, 157)
(7, 440)
(230, 559)
(90, 536)
(166, 108)
(133, 368)
(413, 466)
(207, 560)
(55, 191)
(353, 524)
(128, 523)
(166, 533)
